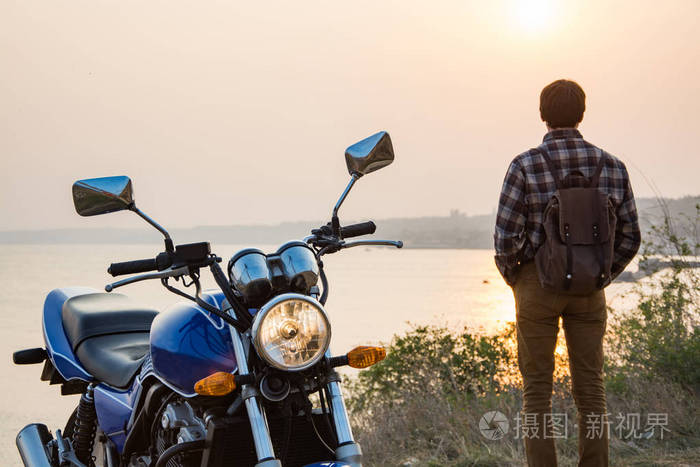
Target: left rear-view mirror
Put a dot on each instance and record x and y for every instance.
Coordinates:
(102, 195)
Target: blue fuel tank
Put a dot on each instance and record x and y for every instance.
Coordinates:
(188, 344)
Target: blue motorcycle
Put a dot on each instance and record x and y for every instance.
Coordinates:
(237, 376)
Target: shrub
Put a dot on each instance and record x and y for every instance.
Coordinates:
(422, 405)
(436, 360)
(660, 338)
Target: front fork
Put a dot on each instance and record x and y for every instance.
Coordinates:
(348, 450)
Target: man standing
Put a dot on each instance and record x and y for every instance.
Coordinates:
(530, 183)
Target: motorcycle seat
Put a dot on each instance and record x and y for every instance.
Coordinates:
(114, 359)
(109, 334)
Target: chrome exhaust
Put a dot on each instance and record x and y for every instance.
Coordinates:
(32, 443)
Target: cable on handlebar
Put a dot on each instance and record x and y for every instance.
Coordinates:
(212, 309)
(324, 283)
(176, 291)
(241, 311)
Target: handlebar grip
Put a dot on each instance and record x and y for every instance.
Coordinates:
(132, 267)
(355, 230)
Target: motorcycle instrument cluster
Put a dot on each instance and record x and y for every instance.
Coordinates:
(257, 276)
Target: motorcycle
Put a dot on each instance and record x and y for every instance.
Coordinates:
(240, 375)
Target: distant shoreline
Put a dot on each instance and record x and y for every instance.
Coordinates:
(46, 243)
(456, 231)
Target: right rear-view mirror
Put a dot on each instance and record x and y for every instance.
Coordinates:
(370, 154)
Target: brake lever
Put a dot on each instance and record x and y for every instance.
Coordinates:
(396, 243)
(170, 272)
(332, 244)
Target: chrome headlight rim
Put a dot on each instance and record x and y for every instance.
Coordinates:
(265, 309)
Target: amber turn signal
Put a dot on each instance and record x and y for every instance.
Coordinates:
(217, 384)
(365, 356)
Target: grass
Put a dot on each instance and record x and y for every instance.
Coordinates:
(427, 419)
(422, 405)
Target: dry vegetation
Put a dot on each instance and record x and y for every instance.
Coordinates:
(422, 405)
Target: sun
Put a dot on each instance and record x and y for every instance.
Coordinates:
(533, 15)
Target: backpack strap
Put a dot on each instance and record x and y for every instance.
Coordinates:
(599, 250)
(595, 178)
(550, 165)
(568, 277)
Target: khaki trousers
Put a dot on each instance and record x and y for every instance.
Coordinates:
(537, 319)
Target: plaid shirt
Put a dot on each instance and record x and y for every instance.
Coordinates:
(528, 187)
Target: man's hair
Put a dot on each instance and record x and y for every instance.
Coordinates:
(562, 104)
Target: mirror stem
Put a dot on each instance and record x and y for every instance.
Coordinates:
(335, 222)
(168, 241)
(345, 194)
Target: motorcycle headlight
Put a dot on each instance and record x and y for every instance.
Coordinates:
(291, 332)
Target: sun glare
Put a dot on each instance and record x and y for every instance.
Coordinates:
(532, 15)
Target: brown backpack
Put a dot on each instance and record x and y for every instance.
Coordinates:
(579, 223)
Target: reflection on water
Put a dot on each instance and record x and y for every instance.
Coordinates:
(374, 293)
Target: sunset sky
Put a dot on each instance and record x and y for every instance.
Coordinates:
(229, 112)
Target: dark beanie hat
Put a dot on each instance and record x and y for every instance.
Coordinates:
(562, 104)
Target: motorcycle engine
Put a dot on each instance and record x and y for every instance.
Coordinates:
(294, 435)
(178, 423)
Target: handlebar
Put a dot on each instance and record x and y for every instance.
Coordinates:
(325, 241)
(355, 230)
(242, 320)
(188, 254)
(133, 267)
(183, 261)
